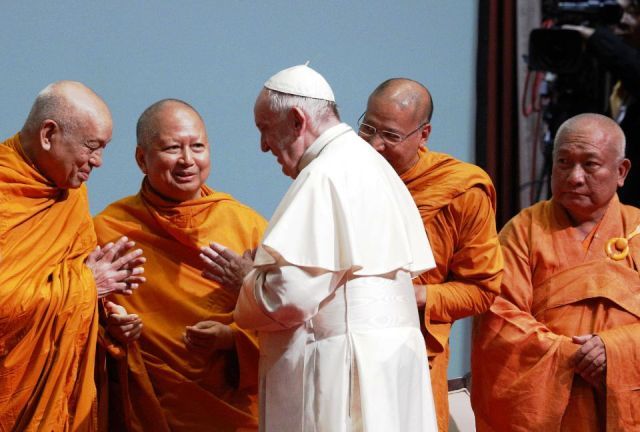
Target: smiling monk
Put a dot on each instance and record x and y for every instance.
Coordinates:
(192, 368)
(49, 277)
(559, 349)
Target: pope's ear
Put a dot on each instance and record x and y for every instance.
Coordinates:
(297, 119)
(140, 159)
(48, 131)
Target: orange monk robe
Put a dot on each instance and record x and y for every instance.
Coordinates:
(523, 378)
(457, 203)
(48, 318)
(168, 387)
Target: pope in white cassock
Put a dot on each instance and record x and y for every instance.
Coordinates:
(330, 291)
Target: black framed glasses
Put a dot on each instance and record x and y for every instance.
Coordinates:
(390, 138)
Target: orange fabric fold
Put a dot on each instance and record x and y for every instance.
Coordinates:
(162, 385)
(48, 314)
(523, 378)
(457, 203)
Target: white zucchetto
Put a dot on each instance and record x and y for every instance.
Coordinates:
(302, 81)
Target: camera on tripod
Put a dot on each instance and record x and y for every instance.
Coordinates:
(561, 51)
(565, 78)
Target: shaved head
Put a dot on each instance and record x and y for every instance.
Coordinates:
(66, 103)
(408, 95)
(173, 150)
(147, 126)
(66, 131)
(589, 123)
(397, 121)
(588, 166)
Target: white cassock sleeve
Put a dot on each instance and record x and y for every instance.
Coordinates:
(283, 297)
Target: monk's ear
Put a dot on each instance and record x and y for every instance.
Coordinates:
(425, 132)
(140, 159)
(48, 131)
(623, 169)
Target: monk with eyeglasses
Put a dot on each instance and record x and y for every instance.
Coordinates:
(457, 203)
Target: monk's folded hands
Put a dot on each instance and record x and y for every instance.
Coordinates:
(209, 336)
(117, 267)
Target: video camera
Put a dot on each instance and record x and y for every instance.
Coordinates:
(584, 12)
(568, 80)
(561, 51)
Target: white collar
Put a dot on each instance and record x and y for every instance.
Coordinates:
(321, 142)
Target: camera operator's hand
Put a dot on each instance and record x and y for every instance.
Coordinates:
(585, 32)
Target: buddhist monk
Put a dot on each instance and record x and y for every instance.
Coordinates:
(49, 277)
(559, 348)
(457, 202)
(192, 368)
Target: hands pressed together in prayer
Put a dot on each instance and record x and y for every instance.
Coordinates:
(125, 327)
(590, 361)
(209, 336)
(224, 266)
(116, 267)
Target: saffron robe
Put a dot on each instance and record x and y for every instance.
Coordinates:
(456, 201)
(332, 297)
(553, 289)
(163, 385)
(48, 298)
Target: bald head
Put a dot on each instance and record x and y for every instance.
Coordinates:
(148, 125)
(397, 121)
(604, 130)
(65, 133)
(68, 103)
(173, 150)
(588, 167)
(408, 95)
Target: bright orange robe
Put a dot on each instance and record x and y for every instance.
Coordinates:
(552, 289)
(167, 387)
(48, 314)
(457, 203)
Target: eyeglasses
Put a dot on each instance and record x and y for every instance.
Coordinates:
(391, 138)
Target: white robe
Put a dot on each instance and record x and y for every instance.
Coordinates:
(332, 298)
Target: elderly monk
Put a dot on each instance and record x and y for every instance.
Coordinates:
(192, 369)
(457, 203)
(559, 348)
(49, 276)
(331, 292)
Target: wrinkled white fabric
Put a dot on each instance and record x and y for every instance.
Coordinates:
(332, 297)
(347, 210)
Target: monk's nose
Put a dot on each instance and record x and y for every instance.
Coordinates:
(186, 157)
(96, 159)
(576, 175)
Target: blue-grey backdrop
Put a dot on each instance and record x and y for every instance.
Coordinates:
(217, 54)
